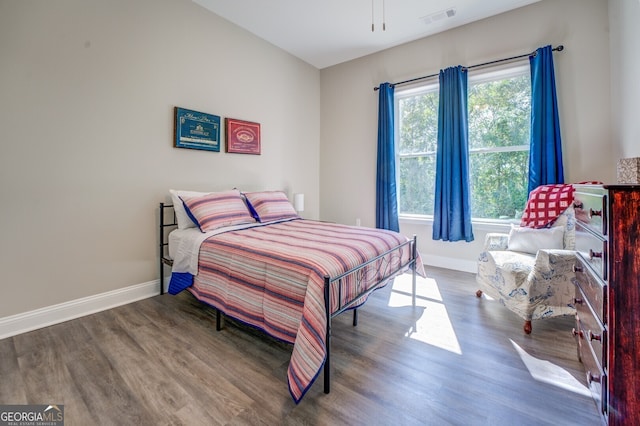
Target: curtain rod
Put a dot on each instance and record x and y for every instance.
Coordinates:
(497, 61)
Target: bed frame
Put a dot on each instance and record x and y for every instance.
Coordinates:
(168, 222)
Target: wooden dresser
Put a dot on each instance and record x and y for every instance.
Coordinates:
(607, 299)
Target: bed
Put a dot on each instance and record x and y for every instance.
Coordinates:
(251, 257)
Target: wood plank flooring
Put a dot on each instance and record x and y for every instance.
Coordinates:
(453, 359)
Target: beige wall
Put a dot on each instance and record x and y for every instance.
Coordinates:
(87, 90)
(624, 16)
(349, 105)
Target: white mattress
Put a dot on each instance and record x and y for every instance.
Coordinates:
(175, 237)
(184, 245)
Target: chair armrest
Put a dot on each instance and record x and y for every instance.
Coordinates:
(496, 241)
(555, 262)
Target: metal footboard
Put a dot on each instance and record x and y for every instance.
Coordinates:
(359, 274)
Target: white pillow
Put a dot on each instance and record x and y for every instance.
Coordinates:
(530, 240)
(183, 219)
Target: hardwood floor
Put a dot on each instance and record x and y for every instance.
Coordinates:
(453, 359)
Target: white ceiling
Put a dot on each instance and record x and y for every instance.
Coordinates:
(328, 32)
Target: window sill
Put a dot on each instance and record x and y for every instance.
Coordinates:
(486, 225)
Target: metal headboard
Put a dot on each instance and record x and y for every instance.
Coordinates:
(164, 243)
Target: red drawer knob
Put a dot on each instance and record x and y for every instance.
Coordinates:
(593, 254)
(577, 268)
(593, 212)
(592, 336)
(577, 301)
(576, 332)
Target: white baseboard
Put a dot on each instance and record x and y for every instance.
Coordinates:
(451, 263)
(50, 315)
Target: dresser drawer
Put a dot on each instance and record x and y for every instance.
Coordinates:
(592, 332)
(592, 250)
(590, 290)
(591, 209)
(595, 378)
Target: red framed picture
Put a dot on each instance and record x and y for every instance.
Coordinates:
(243, 137)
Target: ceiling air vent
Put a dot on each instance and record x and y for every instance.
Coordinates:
(439, 16)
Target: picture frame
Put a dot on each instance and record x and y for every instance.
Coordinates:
(196, 130)
(243, 137)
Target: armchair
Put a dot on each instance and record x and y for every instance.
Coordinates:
(534, 283)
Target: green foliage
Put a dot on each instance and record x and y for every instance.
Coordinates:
(499, 114)
(417, 180)
(419, 118)
(498, 184)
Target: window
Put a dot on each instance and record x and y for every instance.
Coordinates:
(417, 128)
(499, 120)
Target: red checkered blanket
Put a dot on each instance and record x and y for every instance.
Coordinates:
(545, 204)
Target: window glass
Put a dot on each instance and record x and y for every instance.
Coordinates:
(417, 134)
(499, 123)
(499, 105)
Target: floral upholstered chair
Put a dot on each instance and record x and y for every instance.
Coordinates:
(530, 271)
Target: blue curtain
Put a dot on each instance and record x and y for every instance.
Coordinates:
(452, 209)
(386, 196)
(545, 155)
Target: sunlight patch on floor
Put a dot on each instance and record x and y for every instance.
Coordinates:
(426, 289)
(434, 326)
(547, 372)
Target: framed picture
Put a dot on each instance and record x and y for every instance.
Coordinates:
(243, 137)
(196, 130)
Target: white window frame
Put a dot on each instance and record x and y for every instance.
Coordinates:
(474, 77)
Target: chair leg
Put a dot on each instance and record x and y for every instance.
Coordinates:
(527, 324)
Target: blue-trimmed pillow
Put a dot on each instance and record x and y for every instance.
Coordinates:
(182, 218)
(217, 209)
(270, 205)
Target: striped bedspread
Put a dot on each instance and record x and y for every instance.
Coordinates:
(272, 277)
